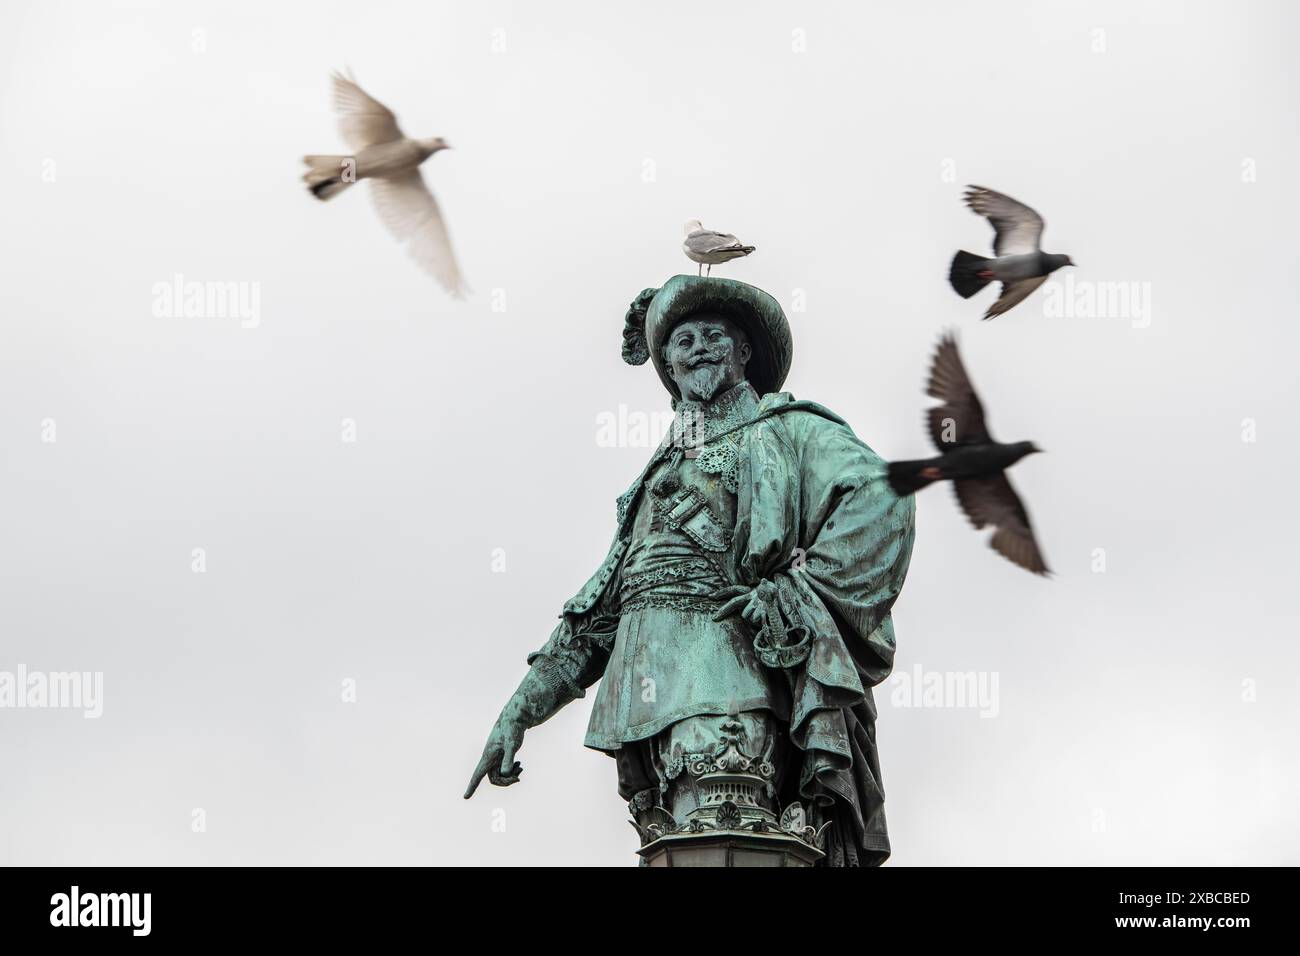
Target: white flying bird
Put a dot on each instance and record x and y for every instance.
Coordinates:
(711, 248)
(391, 161)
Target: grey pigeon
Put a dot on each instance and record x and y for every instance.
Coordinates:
(383, 154)
(1018, 263)
(974, 463)
(711, 248)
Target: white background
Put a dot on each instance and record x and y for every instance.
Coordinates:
(1147, 714)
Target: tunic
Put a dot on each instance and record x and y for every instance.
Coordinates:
(670, 659)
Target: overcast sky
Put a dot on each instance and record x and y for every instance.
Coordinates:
(1146, 707)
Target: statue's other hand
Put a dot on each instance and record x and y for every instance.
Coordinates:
(748, 602)
(734, 598)
(498, 762)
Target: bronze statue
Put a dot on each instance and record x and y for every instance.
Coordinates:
(742, 615)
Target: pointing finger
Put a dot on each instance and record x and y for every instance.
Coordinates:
(479, 772)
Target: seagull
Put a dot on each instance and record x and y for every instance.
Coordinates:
(391, 161)
(1018, 262)
(711, 248)
(974, 463)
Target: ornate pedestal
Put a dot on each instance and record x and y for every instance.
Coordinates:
(729, 825)
(729, 848)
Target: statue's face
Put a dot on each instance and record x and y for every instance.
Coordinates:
(706, 355)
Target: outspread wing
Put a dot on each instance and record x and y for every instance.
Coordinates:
(1013, 293)
(363, 120)
(992, 501)
(1018, 229)
(411, 213)
(960, 419)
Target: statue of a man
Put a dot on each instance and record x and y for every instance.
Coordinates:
(742, 615)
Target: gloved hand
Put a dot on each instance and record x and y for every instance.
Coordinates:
(752, 602)
(543, 691)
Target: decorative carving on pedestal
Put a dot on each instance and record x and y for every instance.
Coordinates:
(729, 826)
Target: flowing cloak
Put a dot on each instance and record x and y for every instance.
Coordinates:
(817, 517)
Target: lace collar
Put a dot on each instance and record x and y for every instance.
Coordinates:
(697, 422)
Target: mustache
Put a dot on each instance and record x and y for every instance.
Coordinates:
(704, 360)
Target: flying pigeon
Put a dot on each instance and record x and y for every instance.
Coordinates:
(974, 463)
(711, 248)
(391, 161)
(1018, 262)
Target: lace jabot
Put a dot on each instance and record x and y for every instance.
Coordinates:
(694, 425)
(697, 423)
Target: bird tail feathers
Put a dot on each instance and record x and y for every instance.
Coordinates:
(905, 477)
(965, 273)
(325, 175)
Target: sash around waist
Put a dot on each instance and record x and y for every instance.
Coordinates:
(684, 584)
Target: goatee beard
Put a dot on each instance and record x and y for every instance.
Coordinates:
(704, 382)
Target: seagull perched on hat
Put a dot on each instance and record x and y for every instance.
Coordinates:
(710, 248)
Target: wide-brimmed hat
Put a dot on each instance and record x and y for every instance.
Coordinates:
(655, 312)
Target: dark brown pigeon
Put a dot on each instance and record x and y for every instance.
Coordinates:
(1018, 262)
(974, 463)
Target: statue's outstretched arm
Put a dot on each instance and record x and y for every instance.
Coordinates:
(572, 659)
